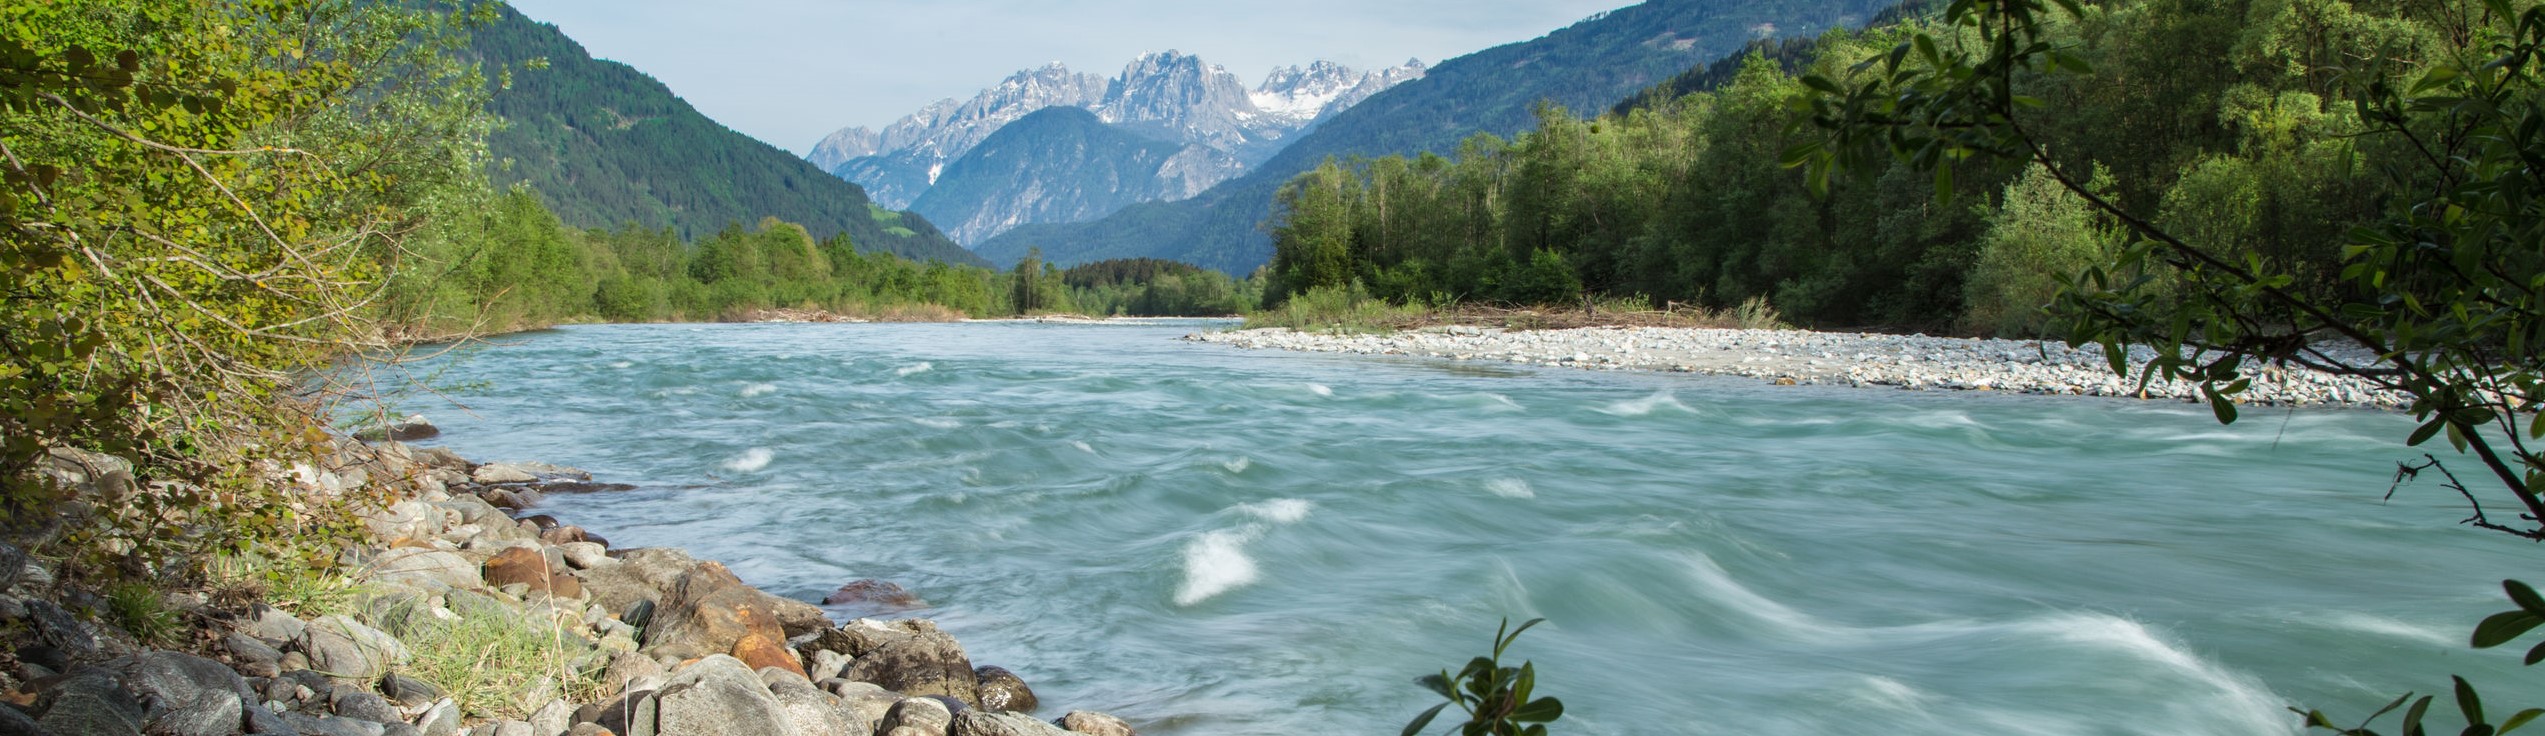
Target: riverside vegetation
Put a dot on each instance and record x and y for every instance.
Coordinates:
(208, 203)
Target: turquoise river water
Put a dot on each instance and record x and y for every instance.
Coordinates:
(1204, 540)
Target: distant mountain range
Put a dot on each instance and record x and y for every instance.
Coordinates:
(605, 145)
(1586, 67)
(1215, 127)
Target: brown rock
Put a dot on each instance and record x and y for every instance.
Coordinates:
(880, 594)
(565, 585)
(1002, 690)
(562, 535)
(919, 661)
(1095, 724)
(758, 650)
(521, 565)
(709, 611)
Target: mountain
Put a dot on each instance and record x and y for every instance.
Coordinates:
(1221, 127)
(1063, 164)
(1587, 67)
(605, 145)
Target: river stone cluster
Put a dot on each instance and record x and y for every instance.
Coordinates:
(684, 647)
(1802, 357)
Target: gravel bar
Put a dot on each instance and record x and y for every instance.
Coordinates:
(1802, 357)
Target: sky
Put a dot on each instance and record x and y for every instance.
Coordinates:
(789, 72)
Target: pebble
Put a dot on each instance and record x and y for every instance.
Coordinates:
(1802, 357)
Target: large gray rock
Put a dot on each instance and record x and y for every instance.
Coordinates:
(709, 611)
(341, 647)
(718, 696)
(1094, 724)
(407, 520)
(272, 626)
(552, 719)
(413, 427)
(14, 722)
(924, 715)
(640, 575)
(92, 704)
(365, 705)
(57, 626)
(493, 473)
(255, 658)
(309, 725)
(914, 658)
(185, 695)
(630, 714)
(864, 703)
(443, 719)
(985, 723)
(808, 711)
(433, 568)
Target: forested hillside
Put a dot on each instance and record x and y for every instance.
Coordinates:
(606, 145)
(1587, 67)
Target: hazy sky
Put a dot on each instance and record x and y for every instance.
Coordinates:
(791, 71)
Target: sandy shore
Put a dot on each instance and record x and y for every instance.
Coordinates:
(1803, 357)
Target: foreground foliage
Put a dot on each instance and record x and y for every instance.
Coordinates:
(1495, 698)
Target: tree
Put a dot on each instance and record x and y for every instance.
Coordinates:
(2446, 290)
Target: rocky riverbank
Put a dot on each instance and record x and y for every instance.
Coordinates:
(467, 613)
(1802, 357)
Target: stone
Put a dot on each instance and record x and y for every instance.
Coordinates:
(589, 729)
(630, 714)
(520, 565)
(184, 695)
(578, 486)
(59, 628)
(91, 704)
(365, 705)
(924, 715)
(1094, 724)
(563, 584)
(717, 696)
(640, 575)
(985, 723)
(413, 427)
(917, 659)
(14, 722)
(709, 611)
(493, 473)
(808, 710)
(760, 650)
(504, 499)
(409, 692)
(586, 555)
(309, 725)
(13, 561)
(1002, 690)
(51, 658)
(263, 720)
(827, 664)
(341, 647)
(255, 658)
(628, 668)
(439, 570)
(561, 535)
(400, 728)
(551, 719)
(865, 703)
(879, 594)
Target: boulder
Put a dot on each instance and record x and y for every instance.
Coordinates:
(631, 671)
(827, 664)
(914, 658)
(1002, 690)
(272, 626)
(630, 714)
(344, 648)
(580, 486)
(17, 723)
(521, 565)
(985, 723)
(493, 473)
(872, 593)
(184, 695)
(1094, 724)
(552, 719)
(365, 705)
(91, 704)
(759, 650)
(442, 719)
(309, 725)
(640, 575)
(56, 626)
(433, 568)
(408, 691)
(923, 715)
(586, 555)
(864, 703)
(561, 535)
(709, 611)
(718, 696)
(255, 658)
(413, 427)
(808, 710)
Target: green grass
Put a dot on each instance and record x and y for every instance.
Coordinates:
(284, 581)
(494, 665)
(140, 611)
(1334, 309)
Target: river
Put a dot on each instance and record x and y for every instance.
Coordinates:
(1205, 540)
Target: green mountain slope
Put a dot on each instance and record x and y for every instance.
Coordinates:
(605, 145)
(1586, 68)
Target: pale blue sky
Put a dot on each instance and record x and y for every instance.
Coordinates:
(791, 71)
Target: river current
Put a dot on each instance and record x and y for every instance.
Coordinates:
(1204, 540)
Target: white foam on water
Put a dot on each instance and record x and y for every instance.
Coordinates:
(1279, 510)
(1645, 405)
(1503, 401)
(759, 389)
(623, 364)
(914, 369)
(1510, 488)
(1238, 465)
(1721, 589)
(937, 422)
(1320, 389)
(2383, 626)
(1083, 446)
(2236, 702)
(1892, 694)
(1216, 563)
(751, 460)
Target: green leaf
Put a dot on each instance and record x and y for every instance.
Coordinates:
(2412, 718)
(1542, 710)
(1423, 720)
(2521, 719)
(2467, 701)
(2223, 408)
(2536, 655)
(1439, 684)
(2524, 596)
(2500, 628)
(2426, 431)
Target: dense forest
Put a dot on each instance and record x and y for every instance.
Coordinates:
(1587, 66)
(604, 145)
(2215, 119)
